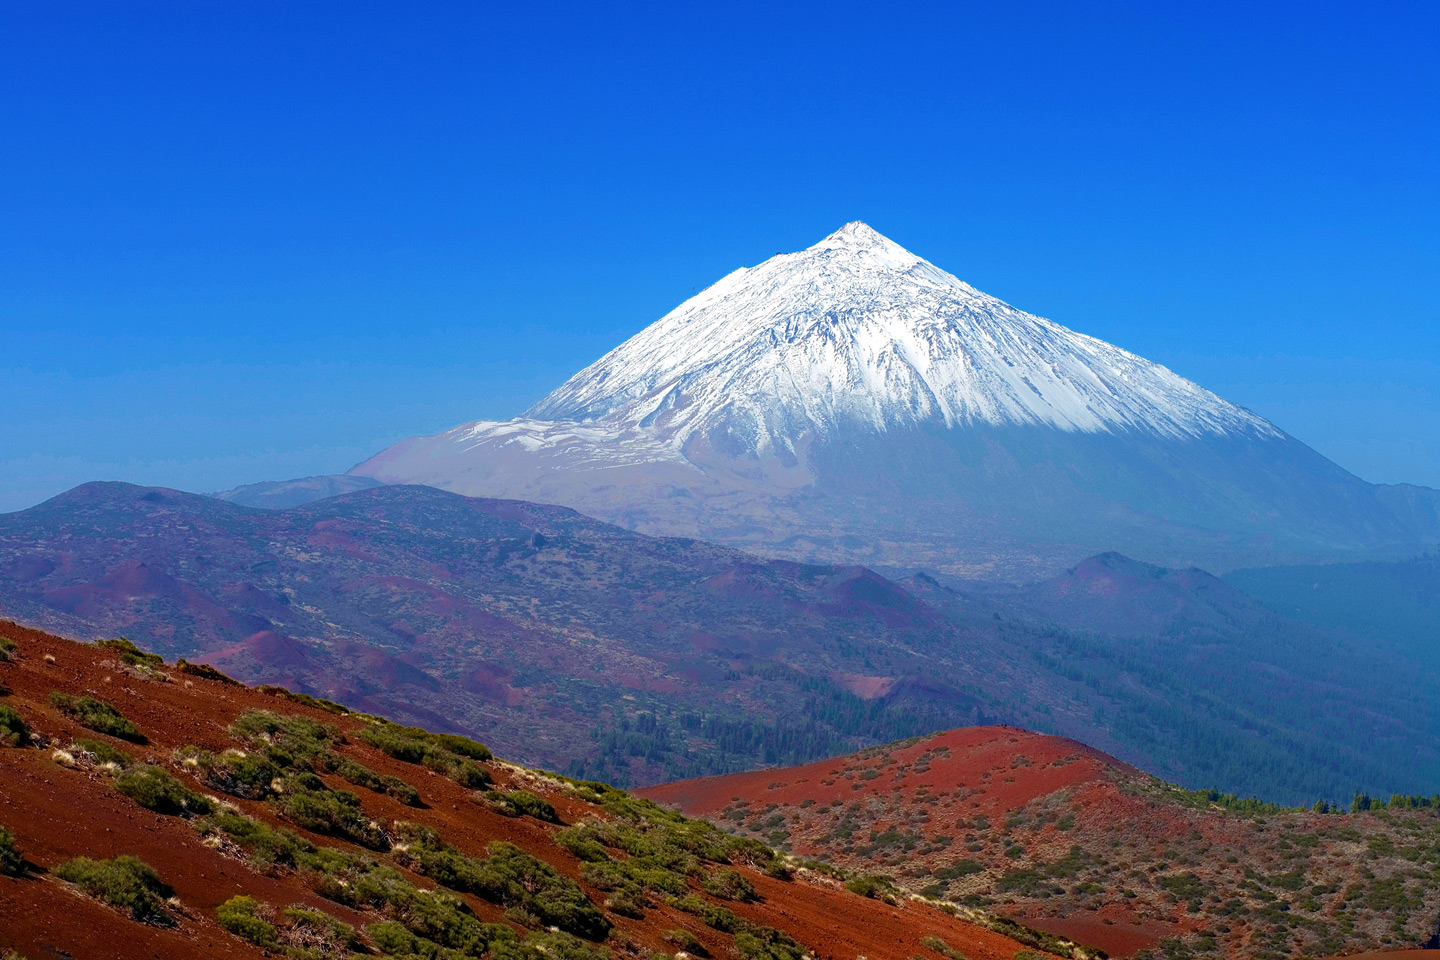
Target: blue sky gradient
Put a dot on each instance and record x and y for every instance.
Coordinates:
(248, 241)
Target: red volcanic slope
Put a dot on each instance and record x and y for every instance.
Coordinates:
(1076, 843)
(58, 811)
(979, 764)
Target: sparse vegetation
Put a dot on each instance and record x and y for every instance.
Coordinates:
(448, 754)
(13, 730)
(12, 864)
(104, 753)
(97, 715)
(518, 803)
(202, 670)
(126, 882)
(240, 915)
(131, 654)
(7, 649)
(685, 940)
(941, 947)
(155, 789)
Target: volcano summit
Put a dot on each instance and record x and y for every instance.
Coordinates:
(852, 401)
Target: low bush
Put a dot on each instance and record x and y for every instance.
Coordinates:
(131, 654)
(319, 703)
(728, 884)
(401, 791)
(97, 715)
(306, 801)
(202, 670)
(584, 842)
(757, 942)
(12, 864)
(7, 649)
(447, 754)
(509, 877)
(299, 738)
(873, 886)
(942, 948)
(155, 789)
(316, 933)
(240, 774)
(104, 752)
(550, 945)
(125, 882)
(266, 846)
(685, 940)
(520, 803)
(242, 916)
(13, 730)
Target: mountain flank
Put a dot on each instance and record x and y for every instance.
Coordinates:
(151, 809)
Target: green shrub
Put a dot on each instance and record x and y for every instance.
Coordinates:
(131, 654)
(155, 789)
(318, 932)
(97, 715)
(448, 754)
(550, 945)
(104, 752)
(126, 882)
(778, 868)
(460, 746)
(300, 738)
(319, 703)
(872, 886)
(7, 649)
(240, 774)
(685, 940)
(509, 877)
(12, 864)
(728, 884)
(202, 670)
(241, 916)
(266, 846)
(307, 802)
(401, 791)
(518, 803)
(582, 841)
(757, 942)
(464, 772)
(13, 731)
(942, 948)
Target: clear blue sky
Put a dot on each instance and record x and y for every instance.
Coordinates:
(250, 240)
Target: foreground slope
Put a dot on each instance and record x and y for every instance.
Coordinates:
(1074, 842)
(854, 402)
(409, 861)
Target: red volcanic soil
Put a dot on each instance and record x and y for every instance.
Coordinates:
(1073, 842)
(57, 812)
(978, 762)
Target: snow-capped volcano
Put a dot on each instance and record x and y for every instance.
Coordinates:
(858, 331)
(854, 401)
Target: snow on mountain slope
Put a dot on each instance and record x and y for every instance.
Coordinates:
(858, 331)
(853, 402)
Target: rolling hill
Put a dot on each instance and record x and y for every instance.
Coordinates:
(1072, 841)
